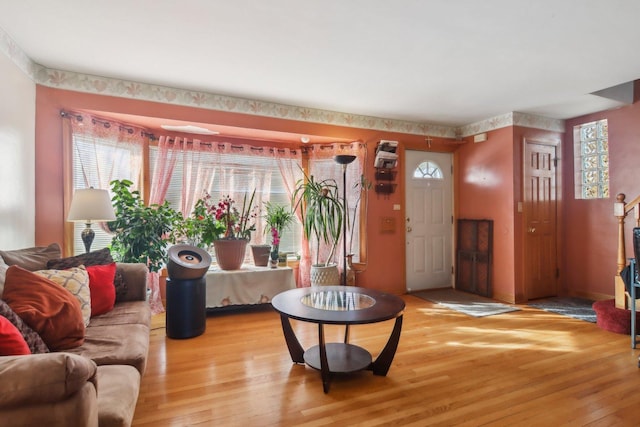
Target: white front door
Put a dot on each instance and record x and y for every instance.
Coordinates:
(429, 221)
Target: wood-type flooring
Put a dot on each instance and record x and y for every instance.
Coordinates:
(524, 368)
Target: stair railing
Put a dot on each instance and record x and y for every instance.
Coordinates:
(621, 209)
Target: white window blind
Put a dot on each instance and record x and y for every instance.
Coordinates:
(237, 175)
(98, 158)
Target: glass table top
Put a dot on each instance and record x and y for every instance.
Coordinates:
(338, 300)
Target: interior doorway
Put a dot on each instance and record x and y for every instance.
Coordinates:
(540, 220)
(429, 220)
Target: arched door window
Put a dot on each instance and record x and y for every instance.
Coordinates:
(428, 170)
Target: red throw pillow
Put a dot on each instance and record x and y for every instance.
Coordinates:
(103, 293)
(48, 308)
(11, 341)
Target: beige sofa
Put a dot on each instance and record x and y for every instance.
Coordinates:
(95, 384)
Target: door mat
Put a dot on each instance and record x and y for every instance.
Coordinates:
(578, 308)
(469, 304)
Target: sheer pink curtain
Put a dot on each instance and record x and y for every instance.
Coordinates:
(323, 166)
(163, 170)
(290, 165)
(100, 165)
(199, 161)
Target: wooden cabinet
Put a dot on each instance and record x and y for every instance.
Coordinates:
(474, 256)
(385, 181)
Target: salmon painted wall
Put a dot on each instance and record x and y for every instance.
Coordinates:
(385, 269)
(590, 230)
(489, 186)
(485, 176)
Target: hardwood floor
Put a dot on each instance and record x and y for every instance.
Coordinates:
(529, 368)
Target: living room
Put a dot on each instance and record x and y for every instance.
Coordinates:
(31, 129)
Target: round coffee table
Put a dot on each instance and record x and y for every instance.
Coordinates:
(339, 305)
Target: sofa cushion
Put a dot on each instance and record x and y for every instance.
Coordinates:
(99, 257)
(76, 281)
(118, 394)
(134, 280)
(124, 313)
(46, 307)
(103, 293)
(31, 337)
(32, 259)
(116, 345)
(59, 375)
(11, 341)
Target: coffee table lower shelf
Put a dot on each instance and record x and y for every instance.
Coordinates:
(341, 358)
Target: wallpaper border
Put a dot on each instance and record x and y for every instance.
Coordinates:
(79, 82)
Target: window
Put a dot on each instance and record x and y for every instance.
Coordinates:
(243, 173)
(94, 160)
(104, 150)
(591, 160)
(428, 170)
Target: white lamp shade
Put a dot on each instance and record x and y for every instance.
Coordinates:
(91, 204)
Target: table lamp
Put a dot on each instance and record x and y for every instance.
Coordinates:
(344, 160)
(90, 204)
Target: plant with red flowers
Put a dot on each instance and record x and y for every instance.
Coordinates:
(211, 220)
(237, 224)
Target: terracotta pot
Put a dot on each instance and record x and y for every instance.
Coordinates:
(230, 253)
(261, 254)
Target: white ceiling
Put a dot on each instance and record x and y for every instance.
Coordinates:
(448, 62)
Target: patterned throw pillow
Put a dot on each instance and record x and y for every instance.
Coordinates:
(76, 281)
(99, 257)
(34, 341)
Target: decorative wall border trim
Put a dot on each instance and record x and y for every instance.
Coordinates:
(69, 80)
(513, 119)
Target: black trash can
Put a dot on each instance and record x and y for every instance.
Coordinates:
(186, 307)
(186, 291)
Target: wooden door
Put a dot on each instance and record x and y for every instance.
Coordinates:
(540, 209)
(429, 222)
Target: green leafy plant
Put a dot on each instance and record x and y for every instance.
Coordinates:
(278, 218)
(201, 228)
(321, 212)
(142, 232)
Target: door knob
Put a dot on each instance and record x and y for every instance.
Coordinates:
(532, 229)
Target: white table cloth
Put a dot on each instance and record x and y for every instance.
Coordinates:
(249, 285)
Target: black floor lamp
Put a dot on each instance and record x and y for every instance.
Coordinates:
(344, 160)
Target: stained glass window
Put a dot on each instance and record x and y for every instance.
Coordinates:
(428, 170)
(591, 148)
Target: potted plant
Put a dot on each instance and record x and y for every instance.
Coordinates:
(321, 213)
(277, 219)
(142, 233)
(230, 246)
